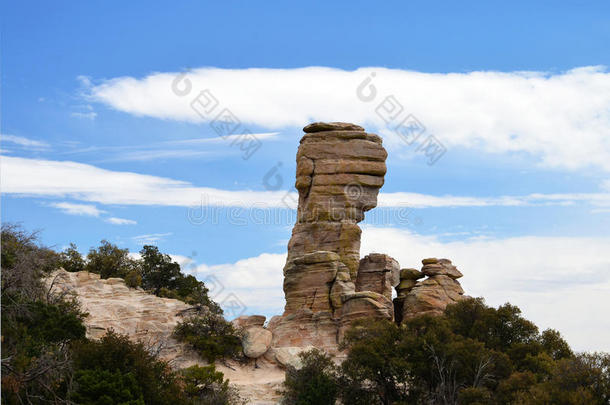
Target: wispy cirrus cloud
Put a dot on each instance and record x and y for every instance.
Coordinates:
(173, 149)
(120, 221)
(62, 179)
(150, 238)
(562, 119)
(23, 142)
(78, 209)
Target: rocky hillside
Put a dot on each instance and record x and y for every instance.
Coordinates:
(151, 319)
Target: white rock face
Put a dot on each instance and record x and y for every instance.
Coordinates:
(151, 319)
(133, 312)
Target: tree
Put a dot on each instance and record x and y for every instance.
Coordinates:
(206, 386)
(71, 259)
(315, 383)
(376, 370)
(109, 260)
(158, 270)
(38, 324)
(138, 371)
(210, 335)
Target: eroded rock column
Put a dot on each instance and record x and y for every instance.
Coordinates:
(340, 169)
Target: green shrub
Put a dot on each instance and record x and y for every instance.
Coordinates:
(154, 379)
(109, 260)
(162, 276)
(474, 396)
(71, 259)
(37, 325)
(133, 279)
(210, 335)
(101, 387)
(315, 383)
(206, 386)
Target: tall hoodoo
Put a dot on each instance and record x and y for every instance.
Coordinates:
(340, 169)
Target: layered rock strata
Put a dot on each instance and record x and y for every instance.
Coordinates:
(429, 296)
(340, 169)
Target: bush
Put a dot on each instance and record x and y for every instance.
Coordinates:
(158, 270)
(210, 335)
(71, 259)
(155, 382)
(101, 387)
(206, 386)
(315, 383)
(473, 354)
(133, 279)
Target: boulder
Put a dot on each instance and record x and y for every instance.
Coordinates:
(450, 269)
(378, 273)
(256, 341)
(411, 274)
(246, 321)
(289, 356)
(432, 295)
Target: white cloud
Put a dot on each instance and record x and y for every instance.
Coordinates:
(150, 239)
(78, 209)
(90, 115)
(558, 282)
(23, 142)
(120, 221)
(562, 118)
(47, 178)
(255, 281)
(175, 149)
(223, 139)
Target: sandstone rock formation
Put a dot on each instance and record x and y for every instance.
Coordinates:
(429, 296)
(256, 340)
(150, 319)
(378, 273)
(142, 316)
(340, 170)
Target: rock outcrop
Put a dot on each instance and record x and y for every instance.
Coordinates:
(150, 319)
(429, 296)
(340, 169)
(142, 316)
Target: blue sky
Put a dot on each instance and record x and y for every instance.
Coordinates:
(95, 144)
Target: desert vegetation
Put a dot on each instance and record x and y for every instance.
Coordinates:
(46, 357)
(473, 354)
